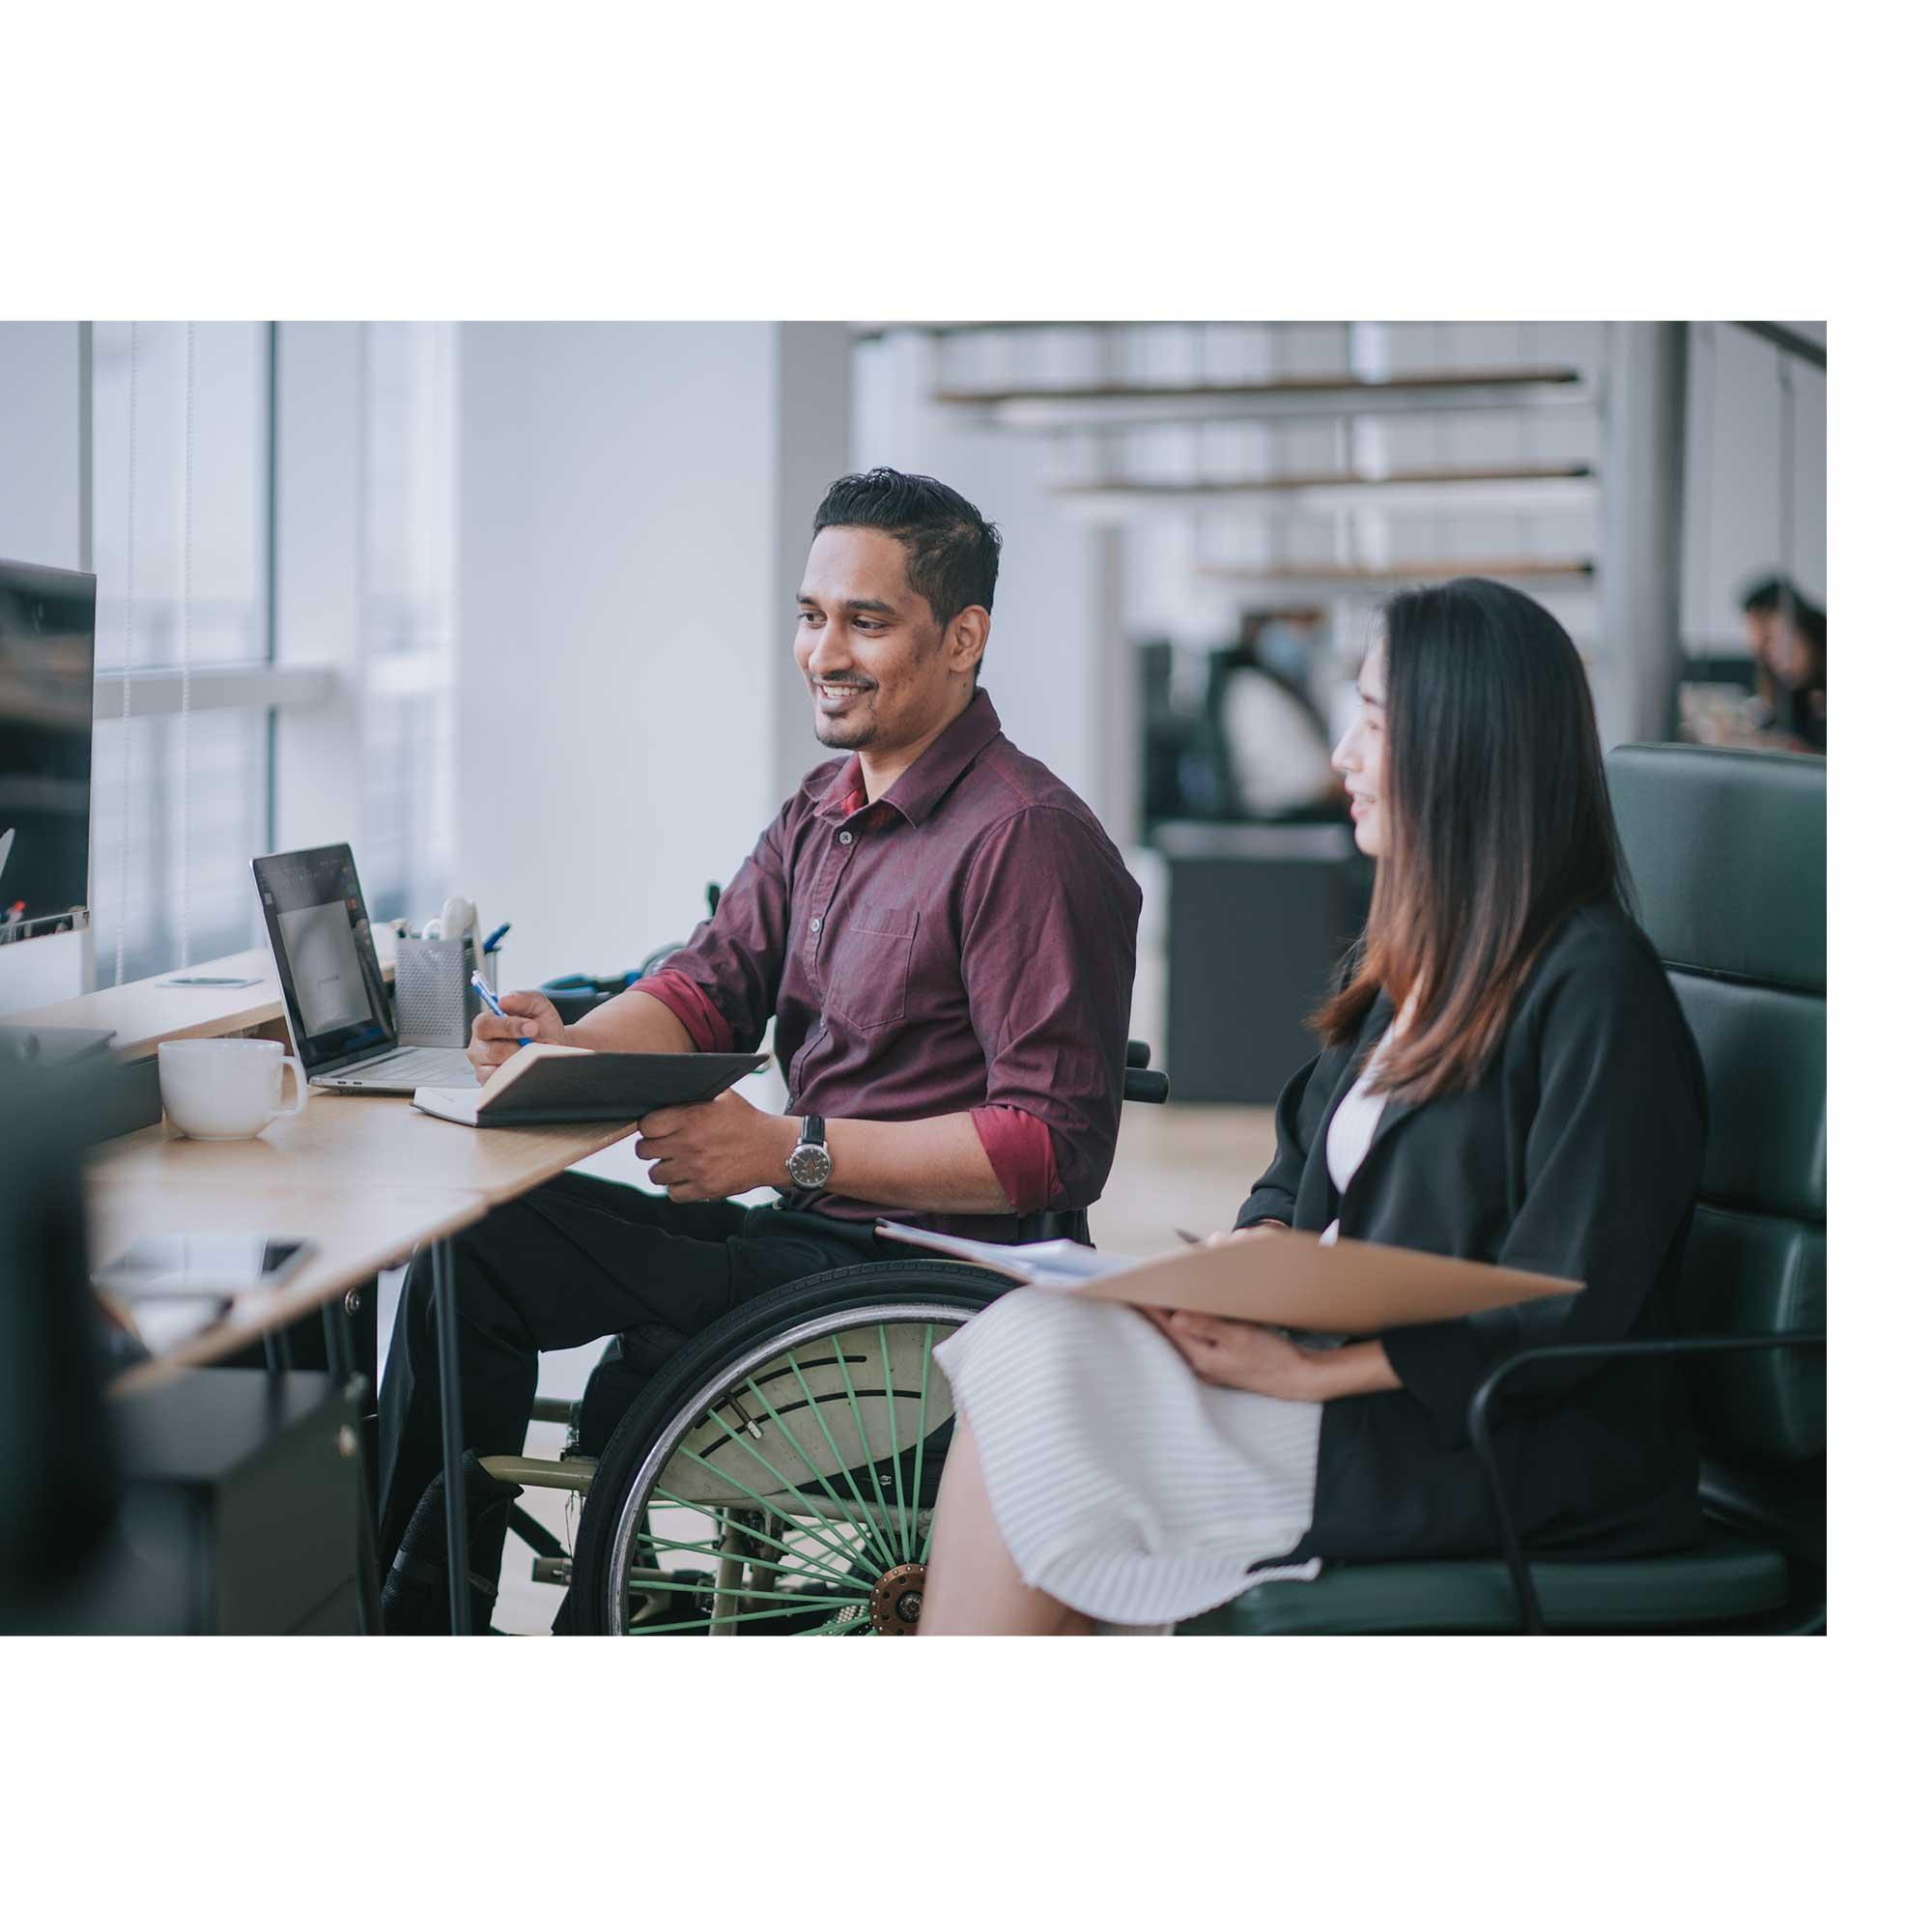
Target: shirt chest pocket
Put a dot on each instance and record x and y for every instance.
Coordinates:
(871, 964)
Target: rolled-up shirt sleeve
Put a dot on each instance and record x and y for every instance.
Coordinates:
(1047, 953)
(692, 1010)
(722, 983)
(1020, 1149)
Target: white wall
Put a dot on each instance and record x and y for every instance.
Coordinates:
(1738, 484)
(624, 620)
(1048, 666)
(44, 512)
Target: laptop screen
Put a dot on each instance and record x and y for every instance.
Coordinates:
(319, 930)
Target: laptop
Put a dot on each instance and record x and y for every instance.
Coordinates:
(340, 1018)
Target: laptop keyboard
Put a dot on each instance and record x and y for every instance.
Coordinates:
(423, 1065)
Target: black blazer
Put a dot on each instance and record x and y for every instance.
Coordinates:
(1577, 1153)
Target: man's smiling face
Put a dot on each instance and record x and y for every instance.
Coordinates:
(869, 646)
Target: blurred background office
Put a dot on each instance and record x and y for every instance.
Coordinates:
(507, 606)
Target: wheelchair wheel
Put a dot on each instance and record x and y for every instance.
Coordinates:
(777, 1475)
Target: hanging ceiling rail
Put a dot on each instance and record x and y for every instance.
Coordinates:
(871, 332)
(1341, 579)
(1501, 489)
(1787, 339)
(1275, 397)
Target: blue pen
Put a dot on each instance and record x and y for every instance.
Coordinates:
(491, 1001)
(496, 939)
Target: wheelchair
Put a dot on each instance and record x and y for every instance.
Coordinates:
(777, 1477)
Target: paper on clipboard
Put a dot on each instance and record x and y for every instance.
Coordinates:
(1287, 1279)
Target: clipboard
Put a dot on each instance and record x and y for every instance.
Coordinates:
(1286, 1279)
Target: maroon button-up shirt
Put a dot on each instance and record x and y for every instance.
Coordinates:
(963, 944)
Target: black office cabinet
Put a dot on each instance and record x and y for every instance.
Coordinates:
(242, 1512)
(1258, 918)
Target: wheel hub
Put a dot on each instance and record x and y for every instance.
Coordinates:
(896, 1600)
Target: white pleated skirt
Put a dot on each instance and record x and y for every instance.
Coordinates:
(1123, 1484)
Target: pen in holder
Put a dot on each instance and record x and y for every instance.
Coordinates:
(436, 1004)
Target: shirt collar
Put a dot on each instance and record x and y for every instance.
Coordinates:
(919, 787)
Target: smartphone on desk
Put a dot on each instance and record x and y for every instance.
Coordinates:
(199, 1268)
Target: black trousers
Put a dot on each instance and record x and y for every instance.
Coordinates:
(569, 1262)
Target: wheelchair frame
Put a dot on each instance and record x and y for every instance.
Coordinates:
(745, 1530)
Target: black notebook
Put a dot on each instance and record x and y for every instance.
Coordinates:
(541, 1084)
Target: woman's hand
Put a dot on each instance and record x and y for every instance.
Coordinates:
(1255, 1231)
(1244, 1355)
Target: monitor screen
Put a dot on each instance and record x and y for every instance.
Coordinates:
(47, 742)
(325, 953)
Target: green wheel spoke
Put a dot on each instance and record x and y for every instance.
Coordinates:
(851, 1627)
(865, 1442)
(791, 1489)
(763, 1503)
(808, 1558)
(803, 1455)
(851, 1481)
(893, 1423)
(705, 1623)
(710, 1587)
(806, 1566)
(919, 1453)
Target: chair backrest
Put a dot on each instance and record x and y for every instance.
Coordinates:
(1727, 855)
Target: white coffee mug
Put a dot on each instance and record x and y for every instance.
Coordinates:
(226, 1090)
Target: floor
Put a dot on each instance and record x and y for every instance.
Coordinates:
(1176, 1167)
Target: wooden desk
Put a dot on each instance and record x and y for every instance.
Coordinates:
(366, 1176)
(378, 1142)
(356, 1230)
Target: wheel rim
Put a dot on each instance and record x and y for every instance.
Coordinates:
(789, 1494)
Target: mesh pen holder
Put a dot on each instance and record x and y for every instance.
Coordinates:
(436, 1004)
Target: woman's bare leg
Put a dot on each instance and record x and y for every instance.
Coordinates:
(972, 1587)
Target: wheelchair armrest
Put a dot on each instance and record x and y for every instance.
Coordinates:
(1139, 1053)
(1586, 1352)
(1149, 1086)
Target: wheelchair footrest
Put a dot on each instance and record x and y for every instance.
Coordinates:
(574, 1472)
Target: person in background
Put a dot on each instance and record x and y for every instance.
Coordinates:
(1274, 739)
(1508, 1078)
(1786, 635)
(945, 938)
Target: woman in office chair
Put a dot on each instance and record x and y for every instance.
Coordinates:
(1508, 1078)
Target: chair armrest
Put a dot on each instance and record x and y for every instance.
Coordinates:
(1586, 1352)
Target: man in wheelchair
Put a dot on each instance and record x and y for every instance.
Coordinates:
(945, 938)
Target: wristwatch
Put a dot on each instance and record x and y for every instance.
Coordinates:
(809, 1162)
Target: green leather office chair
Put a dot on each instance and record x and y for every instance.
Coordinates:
(1727, 853)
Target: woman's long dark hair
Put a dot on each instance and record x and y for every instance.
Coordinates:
(1499, 826)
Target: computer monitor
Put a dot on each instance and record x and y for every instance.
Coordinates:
(47, 745)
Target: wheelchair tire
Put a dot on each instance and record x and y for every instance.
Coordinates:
(839, 1517)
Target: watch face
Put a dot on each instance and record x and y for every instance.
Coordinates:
(810, 1166)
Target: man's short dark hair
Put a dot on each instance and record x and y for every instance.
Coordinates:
(953, 552)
